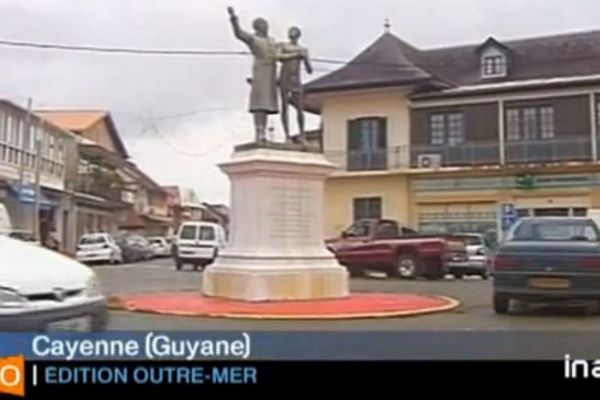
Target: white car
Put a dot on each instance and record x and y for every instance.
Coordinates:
(160, 246)
(98, 248)
(41, 290)
(198, 243)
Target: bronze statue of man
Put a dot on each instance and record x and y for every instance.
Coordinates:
(290, 81)
(266, 52)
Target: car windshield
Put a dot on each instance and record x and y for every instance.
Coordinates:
(156, 241)
(92, 240)
(470, 240)
(556, 230)
(188, 232)
(207, 233)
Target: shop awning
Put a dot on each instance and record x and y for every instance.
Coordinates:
(26, 195)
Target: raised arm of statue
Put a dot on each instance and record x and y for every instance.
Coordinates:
(237, 30)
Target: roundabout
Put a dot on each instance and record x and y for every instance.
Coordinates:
(355, 306)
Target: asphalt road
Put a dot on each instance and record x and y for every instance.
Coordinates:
(474, 314)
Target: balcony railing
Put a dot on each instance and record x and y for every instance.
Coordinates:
(367, 160)
(480, 153)
(556, 150)
(464, 154)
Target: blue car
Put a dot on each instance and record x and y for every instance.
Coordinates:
(548, 259)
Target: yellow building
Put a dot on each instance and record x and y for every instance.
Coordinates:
(439, 139)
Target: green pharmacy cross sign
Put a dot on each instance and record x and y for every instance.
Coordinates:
(524, 181)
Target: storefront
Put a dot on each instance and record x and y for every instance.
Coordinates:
(472, 204)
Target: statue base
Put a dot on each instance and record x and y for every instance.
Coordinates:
(276, 249)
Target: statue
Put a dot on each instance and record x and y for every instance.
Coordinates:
(266, 52)
(290, 81)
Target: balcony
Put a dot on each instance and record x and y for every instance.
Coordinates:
(465, 154)
(577, 148)
(470, 154)
(367, 160)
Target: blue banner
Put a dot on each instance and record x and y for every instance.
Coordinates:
(195, 346)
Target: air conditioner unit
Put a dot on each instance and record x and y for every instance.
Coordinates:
(429, 160)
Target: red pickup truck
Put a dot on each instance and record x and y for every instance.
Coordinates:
(384, 245)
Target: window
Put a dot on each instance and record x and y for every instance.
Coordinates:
(358, 229)
(598, 115)
(546, 122)
(188, 232)
(448, 128)
(367, 208)
(51, 146)
(387, 229)
(367, 143)
(493, 66)
(556, 230)
(436, 129)
(207, 233)
(2, 126)
(530, 123)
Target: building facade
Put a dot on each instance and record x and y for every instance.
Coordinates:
(439, 139)
(102, 197)
(112, 193)
(30, 147)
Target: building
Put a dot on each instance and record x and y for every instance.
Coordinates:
(113, 194)
(150, 213)
(217, 213)
(184, 205)
(440, 138)
(29, 144)
(102, 199)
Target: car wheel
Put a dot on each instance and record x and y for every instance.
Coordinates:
(485, 276)
(501, 304)
(354, 271)
(458, 275)
(406, 267)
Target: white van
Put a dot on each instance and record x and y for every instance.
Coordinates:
(42, 290)
(198, 243)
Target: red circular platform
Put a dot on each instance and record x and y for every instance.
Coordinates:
(367, 305)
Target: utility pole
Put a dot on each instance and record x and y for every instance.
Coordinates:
(38, 191)
(25, 146)
(25, 142)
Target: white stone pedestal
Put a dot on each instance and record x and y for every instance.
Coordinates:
(276, 249)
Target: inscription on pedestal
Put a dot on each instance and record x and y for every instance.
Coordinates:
(292, 216)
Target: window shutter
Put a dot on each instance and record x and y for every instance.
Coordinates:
(382, 133)
(353, 135)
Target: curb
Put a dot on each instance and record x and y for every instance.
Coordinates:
(116, 303)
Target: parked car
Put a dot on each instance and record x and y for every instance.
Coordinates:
(135, 248)
(25, 236)
(160, 246)
(477, 257)
(198, 244)
(42, 290)
(98, 248)
(384, 245)
(548, 259)
(7, 229)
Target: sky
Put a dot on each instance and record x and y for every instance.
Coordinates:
(180, 116)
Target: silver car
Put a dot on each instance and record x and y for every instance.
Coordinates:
(477, 257)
